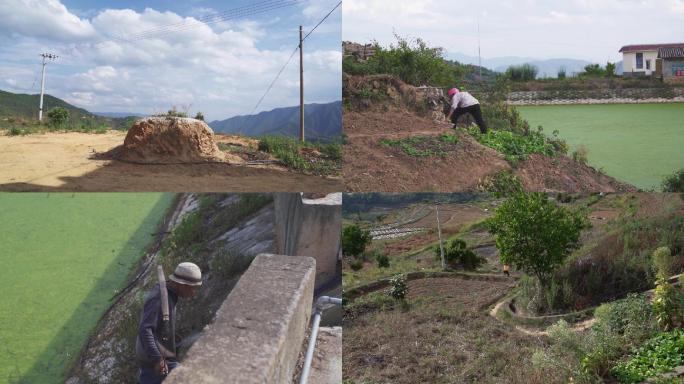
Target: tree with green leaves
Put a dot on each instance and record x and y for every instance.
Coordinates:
(199, 116)
(535, 234)
(58, 116)
(355, 240)
(610, 69)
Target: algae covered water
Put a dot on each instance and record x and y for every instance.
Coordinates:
(635, 143)
(63, 258)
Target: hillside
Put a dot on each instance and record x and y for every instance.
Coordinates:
(395, 133)
(322, 122)
(24, 106)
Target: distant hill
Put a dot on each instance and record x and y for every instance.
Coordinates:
(547, 67)
(26, 106)
(322, 122)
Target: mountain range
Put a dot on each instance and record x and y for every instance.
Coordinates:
(322, 122)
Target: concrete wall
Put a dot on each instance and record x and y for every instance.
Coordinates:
(598, 96)
(629, 63)
(310, 227)
(259, 330)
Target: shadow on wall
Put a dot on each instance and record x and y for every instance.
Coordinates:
(65, 346)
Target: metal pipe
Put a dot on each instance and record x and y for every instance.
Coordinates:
(314, 334)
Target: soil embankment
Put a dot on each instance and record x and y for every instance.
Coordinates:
(382, 108)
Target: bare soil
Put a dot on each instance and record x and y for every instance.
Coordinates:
(369, 165)
(83, 162)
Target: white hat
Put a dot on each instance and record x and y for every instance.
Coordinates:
(187, 273)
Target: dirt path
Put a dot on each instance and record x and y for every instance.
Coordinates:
(68, 162)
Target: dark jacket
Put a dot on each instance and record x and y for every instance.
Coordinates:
(149, 346)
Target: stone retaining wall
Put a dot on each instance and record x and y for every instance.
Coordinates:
(598, 96)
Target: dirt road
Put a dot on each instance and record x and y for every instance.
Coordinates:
(70, 162)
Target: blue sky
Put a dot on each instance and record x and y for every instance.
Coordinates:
(220, 68)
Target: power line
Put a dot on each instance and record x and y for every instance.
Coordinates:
(322, 20)
(290, 59)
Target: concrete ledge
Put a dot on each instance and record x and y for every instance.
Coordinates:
(259, 330)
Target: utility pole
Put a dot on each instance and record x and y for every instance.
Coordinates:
(479, 57)
(42, 82)
(439, 234)
(301, 86)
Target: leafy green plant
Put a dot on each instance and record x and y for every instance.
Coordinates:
(58, 116)
(535, 234)
(457, 254)
(354, 240)
(398, 287)
(382, 260)
(658, 355)
(514, 146)
(674, 182)
(199, 116)
(423, 146)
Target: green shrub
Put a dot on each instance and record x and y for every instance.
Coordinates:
(354, 240)
(524, 72)
(58, 116)
(15, 131)
(674, 182)
(199, 116)
(398, 287)
(457, 254)
(658, 355)
(382, 260)
(561, 73)
(355, 264)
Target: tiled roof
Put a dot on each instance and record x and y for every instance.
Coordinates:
(667, 53)
(649, 47)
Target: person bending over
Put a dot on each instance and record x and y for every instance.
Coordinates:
(462, 103)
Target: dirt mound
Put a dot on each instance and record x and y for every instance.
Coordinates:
(167, 140)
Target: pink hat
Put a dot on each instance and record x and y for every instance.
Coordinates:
(452, 91)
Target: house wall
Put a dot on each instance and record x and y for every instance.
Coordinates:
(670, 69)
(629, 62)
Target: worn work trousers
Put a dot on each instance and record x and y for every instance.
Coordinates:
(474, 111)
(147, 375)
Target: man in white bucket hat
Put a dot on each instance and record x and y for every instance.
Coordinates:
(156, 345)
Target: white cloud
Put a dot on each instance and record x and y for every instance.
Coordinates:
(220, 69)
(44, 19)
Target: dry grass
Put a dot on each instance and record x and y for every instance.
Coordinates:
(444, 336)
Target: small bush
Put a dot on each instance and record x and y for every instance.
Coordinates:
(580, 154)
(398, 287)
(457, 254)
(355, 240)
(356, 265)
(524, 72)
(674, 182)
(382, 260)
(58, 116)
(561, 73)
(501, 184)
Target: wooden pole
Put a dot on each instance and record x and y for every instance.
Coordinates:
(301, 86)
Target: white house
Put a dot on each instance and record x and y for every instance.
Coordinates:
(640, 60)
